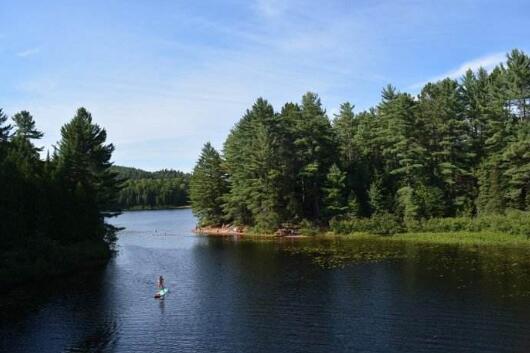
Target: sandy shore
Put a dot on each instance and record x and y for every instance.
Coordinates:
(220, 231)
(231, 231)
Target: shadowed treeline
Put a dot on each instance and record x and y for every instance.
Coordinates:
(53, 210)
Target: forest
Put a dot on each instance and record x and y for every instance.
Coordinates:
(151, 190)
(457, 152)
(53, 210)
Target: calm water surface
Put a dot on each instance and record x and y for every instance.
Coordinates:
(240, 296)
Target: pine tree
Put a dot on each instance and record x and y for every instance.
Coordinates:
(376, 195)
(21, 176)
(335, 201)
(345, 126)
(83, 169)
(430, 201)
(474, 95)
(371, 161)
(256, 162)
(447, 141)
(25, 126)
(4, 128)
(499, 126)
(518, 84)
(289, 116)
(354, 206)
(23, 152)
(208, 187)
(408, 203)
(516, 170)
(355, 148)
(490, 198)
(406, 157)
(314, 148)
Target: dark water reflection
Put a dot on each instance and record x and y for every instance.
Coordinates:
(240, 296)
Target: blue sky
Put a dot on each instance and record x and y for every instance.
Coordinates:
(163, 77)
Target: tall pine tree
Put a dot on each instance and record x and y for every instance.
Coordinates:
(208, 186)
(83, 169)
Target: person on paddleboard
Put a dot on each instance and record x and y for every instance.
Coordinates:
(161, 282)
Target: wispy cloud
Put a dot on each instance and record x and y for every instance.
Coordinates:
(271, 8)
(28, 52)
(164, 79)
(487, 62)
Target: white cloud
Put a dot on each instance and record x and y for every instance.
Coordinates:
(487, 62)
(271, 8)
(28, 52)
(159, 109)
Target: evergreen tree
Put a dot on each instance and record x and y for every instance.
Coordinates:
(335, 201)
(83, 169)
(23, 152)
(371, 162)
(344, 127)
(354, 206)
(25, 126)
(491, 185)
(207, 187)
(378, 202)
(293, 191)
(408, 203)
(448, 142)
(499, 118)
(406, 157)
(256, 160)
(4, 128)
(474, 96)
(516, 170)
(518, 84)
(314, 148)
(354, 144)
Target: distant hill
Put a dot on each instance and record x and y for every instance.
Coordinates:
(142, 189)
(135, 173)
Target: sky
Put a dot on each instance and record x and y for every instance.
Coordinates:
(164, 77)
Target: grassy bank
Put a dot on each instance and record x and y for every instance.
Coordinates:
(450, 238)
(40, 259)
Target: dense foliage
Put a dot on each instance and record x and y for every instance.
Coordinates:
(53, 211)
(208, 186)
(151, 190)
(458, 148)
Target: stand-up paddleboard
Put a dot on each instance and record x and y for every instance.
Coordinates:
(161, 293)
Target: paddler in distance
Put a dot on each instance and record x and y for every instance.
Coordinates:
(161, 282)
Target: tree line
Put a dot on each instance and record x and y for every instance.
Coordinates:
(151, 190)
(458, 148)
(53, 210)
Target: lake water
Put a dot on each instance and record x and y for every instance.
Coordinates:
(241, 296)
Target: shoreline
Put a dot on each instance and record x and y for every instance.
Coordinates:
(234, 231)
(463, 238)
